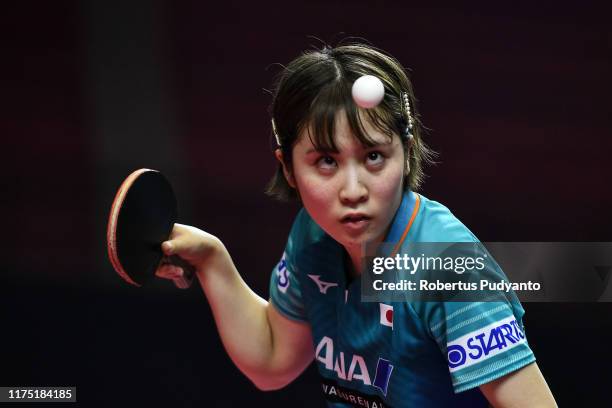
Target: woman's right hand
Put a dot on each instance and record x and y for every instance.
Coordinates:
(191, 244)
(266, 346)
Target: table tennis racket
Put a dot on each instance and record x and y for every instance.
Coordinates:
(141, 218)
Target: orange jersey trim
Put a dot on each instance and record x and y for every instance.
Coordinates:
(417, 205)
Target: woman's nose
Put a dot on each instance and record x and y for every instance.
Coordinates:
(353, 190)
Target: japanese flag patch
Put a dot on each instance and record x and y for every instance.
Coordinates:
(386, 315)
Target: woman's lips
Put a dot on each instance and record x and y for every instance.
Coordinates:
(356, 223)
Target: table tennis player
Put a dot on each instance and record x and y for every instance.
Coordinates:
(356, 169)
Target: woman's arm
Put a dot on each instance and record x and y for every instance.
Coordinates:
(523, 388)
(270, 349)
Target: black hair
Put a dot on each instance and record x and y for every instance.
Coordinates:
(315, 86)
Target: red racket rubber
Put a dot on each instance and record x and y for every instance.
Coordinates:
(142, 216)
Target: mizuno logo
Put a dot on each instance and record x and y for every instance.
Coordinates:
(323, 286)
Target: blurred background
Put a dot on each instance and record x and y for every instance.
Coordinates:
(517, 99)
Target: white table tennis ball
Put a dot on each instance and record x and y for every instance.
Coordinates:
(368, 91)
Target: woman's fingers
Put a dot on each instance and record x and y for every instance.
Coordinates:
(168, 248)
(181, 240)
(169, 271)
(192, 246)
(174, 273)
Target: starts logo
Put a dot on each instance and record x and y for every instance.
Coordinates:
(484, 343)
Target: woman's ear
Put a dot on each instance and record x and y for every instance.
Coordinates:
(288, 175)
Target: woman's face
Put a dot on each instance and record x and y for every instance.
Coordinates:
(353, 194)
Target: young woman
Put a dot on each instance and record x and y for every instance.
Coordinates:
(356, 172)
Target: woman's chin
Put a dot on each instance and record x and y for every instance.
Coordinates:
(355, 240)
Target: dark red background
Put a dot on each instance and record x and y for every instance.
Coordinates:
(516, 97)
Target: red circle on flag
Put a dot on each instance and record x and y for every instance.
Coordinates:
(389, 315)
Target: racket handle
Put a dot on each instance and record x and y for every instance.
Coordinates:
(186, 280)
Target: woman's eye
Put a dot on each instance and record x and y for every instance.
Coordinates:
(375, 158)
(326, 162)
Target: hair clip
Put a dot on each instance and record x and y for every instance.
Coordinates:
(406, 111)
(276, 136)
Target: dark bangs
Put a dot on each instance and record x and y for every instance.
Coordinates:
(336, 98)
(313, 88)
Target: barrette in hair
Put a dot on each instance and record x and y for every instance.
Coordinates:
(276, 136)
(407, 111)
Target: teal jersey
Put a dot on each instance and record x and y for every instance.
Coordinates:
(395, 354)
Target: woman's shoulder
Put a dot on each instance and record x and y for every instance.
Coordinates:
(437, 223)
(305, 231)
(305, 227)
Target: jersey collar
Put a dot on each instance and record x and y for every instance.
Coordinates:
(402, 222)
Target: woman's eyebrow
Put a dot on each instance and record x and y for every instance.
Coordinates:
(323, 150)
(379, 144)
